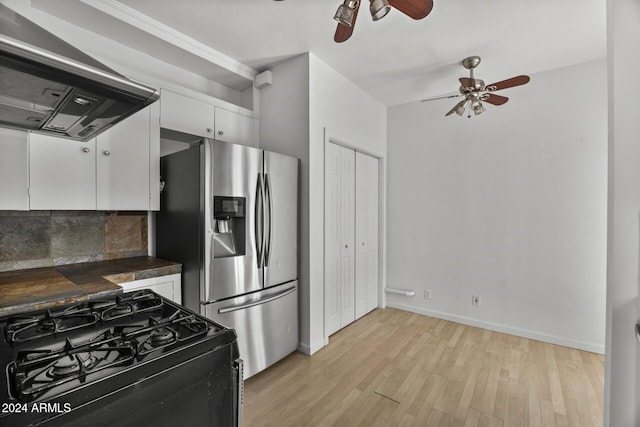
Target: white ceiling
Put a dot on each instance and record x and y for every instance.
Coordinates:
(397, 59)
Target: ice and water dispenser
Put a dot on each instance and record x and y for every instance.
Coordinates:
(229, 231)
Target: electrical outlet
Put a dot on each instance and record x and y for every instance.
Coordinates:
(475, 300)
(427, 294)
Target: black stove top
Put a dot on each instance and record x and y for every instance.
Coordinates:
(48, 354)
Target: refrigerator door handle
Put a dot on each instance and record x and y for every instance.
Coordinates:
(267, 249)
(259, 222)
(265, 300)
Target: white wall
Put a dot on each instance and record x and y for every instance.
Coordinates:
(342, 111)
(622, 374)
(306, 94)
(509, 205)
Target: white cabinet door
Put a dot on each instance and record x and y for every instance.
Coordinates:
(166, 286)
(235, 128)
(339, 237)
(14, 170)
(366, 219)
(185, 114)
(122, 164)
(62, 173)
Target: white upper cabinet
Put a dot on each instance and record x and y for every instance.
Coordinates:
(236, 128)
(14, 170)
(117, 170)
(62, 173)
(123, 164)
(185, 114)
(197, 117)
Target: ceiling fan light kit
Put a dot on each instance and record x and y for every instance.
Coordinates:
(379, 9)
(475, 92)
(459, 109)
(344, 14)
(348, 12)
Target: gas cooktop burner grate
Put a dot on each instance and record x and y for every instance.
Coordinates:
(38, 371)
(27, 328)
(138, 302)
(161, 333)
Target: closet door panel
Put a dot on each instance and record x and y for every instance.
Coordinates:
(347, 236)
(332, 238)
(366, 219)
(371, 241)
(361, 297)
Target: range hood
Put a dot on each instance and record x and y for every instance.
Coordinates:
(48, 86)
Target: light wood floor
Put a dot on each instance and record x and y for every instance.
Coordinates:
(394, 368)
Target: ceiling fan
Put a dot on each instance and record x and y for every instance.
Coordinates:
(475, 92)
(348, 12)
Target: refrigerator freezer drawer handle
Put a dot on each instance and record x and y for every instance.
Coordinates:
(270, 298)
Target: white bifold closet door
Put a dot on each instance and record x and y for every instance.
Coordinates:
(351, 236)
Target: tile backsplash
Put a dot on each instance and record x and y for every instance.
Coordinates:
(45, 238)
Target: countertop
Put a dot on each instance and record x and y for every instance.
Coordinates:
(33, 289)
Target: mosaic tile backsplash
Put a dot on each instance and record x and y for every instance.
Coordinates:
(47, 238)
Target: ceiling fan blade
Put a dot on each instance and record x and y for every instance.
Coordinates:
(343, 32)
(456, 106)
(416, 9)
(494, 99)
(504, 84)
(455, 95)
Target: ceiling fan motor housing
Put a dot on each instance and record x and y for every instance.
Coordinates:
(471, 62)
(476, 85)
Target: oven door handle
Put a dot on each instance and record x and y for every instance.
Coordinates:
(230, 308)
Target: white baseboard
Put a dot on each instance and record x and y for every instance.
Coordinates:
(525, 333)
(310, 349)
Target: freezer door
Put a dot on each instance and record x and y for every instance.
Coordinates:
(281, 218)
(266, 323)
(234, 171)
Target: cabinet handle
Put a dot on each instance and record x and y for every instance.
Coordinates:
(346, 246)
(106, 152)
(220, 132)
(209, 130)
(85, 150)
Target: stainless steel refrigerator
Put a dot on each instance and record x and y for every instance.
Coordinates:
(229, 214)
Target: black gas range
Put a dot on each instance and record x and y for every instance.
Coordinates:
(136, 359)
